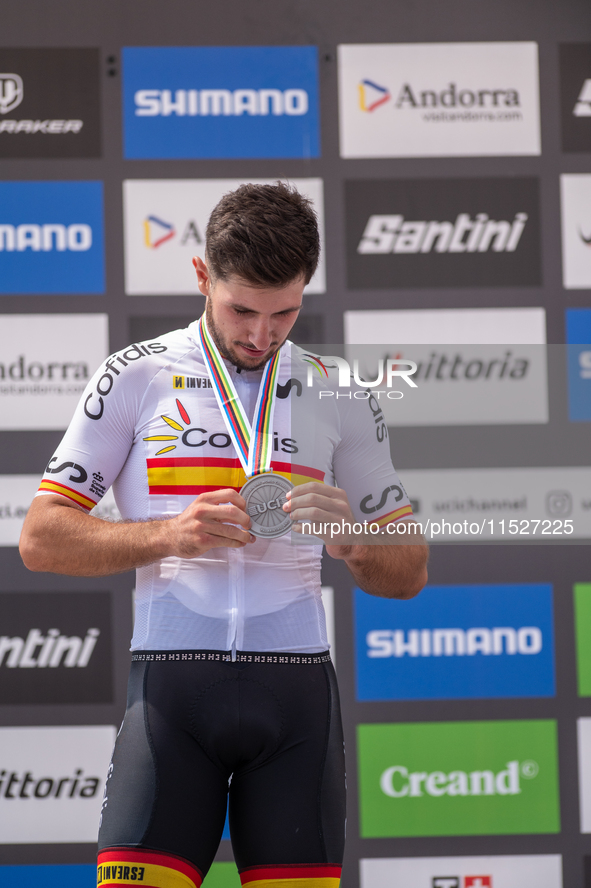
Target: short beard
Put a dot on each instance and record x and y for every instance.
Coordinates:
(226, 351)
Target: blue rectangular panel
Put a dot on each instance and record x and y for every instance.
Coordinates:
(51, 237)
(69, 875)
(578, 337)
(454, 642)
(220, 101)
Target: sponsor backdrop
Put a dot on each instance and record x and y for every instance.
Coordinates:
(447, 151)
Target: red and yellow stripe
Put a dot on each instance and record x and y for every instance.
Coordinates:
(55, 487)
(302, 875)
(396, 515)
(195, 475)
(150, 869)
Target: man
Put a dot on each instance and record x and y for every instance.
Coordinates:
(230, 682)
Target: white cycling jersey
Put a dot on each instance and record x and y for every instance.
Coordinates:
(148, 423)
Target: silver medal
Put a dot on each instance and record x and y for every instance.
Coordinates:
(265, 497)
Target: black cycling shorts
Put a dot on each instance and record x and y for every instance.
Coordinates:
(267, 730)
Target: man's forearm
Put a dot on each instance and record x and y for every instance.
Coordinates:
(65, 540)
(392, 571)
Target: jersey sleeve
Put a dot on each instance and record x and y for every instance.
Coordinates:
(98, 440)
(362, 462)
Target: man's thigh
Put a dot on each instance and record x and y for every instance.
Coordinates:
(290, 809)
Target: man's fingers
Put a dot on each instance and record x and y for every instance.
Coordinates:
(226, 495)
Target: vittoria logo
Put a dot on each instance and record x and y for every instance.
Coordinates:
(50, 779)
(26, 785)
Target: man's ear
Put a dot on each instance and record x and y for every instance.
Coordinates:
(203, 276)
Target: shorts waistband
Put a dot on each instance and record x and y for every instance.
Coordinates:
(226, 657)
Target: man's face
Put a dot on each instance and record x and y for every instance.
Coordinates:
(249, 324)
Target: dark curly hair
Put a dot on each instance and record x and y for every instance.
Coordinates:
(266, 235)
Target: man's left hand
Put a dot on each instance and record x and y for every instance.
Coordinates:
(326, 508)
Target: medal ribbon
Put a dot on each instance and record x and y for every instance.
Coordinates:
(254, 445)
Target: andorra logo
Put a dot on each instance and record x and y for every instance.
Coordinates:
(173, 425)
(157, 232)
(372, 95)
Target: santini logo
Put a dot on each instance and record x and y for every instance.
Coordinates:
(221, 102)
(51, 650)
(397, 782)
(454, 642)
(77, 238)
(391, 234)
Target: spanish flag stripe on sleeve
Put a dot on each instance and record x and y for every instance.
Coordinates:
(55, 487)
(396, 515)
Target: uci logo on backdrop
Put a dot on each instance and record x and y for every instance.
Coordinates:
(456, 642)
(209, 102)
(51, 237)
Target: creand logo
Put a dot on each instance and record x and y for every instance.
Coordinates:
(11, 92)
(398, 782)
(221, 102)
(391, 234)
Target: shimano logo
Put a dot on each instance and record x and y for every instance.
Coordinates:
(454, 642)
(11, 92)
(77, 238)
(50, 650)
(221, 102)
(391, 234)
(397, 782)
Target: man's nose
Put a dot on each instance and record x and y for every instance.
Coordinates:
(260, 333)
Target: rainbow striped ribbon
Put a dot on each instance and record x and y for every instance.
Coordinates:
(254, 445)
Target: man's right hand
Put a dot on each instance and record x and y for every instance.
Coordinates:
(59, 537)
(214, 519)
